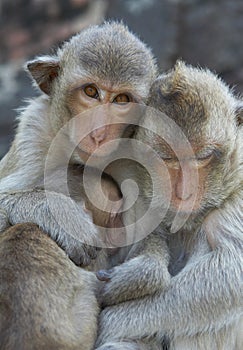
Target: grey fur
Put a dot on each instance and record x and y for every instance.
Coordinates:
(23, 167)
(202, 306)
(46, 301)
(108, 53)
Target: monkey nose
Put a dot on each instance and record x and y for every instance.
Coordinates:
(184, 197)
(183, 192)
(98, 135)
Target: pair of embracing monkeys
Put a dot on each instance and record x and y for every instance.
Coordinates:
(178, 287)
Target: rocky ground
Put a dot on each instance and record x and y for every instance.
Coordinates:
(204, 32)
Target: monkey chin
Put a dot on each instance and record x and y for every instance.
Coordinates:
(191, 205)
(187, 218)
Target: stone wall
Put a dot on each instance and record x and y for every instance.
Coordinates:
(202, 32)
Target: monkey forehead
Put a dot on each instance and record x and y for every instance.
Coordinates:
(110, 52)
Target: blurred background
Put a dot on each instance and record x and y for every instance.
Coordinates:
(204, 32)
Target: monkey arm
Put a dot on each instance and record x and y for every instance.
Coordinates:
(195, 301)
(58, 215)
(144, 274)
(205, 296)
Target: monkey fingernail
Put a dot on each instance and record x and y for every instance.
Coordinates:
(103, 275)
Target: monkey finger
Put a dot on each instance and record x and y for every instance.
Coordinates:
(80, 259)
(104, 275)
(82, 255)
(92, 251)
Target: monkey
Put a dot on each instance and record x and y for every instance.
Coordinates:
(99, 74)
(202, 306)
(104, 66)
(46, 301)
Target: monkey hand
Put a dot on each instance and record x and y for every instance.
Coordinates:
(70, 226)
(80, 253)
(4, 223)
(135, 278)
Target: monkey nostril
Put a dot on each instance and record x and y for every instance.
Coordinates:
(183, 191)
(98, 136)
(186, 196)
(183, 195)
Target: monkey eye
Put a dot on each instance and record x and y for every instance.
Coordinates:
(205, 154)
(167, 158)
(91, 91)
(122, 99)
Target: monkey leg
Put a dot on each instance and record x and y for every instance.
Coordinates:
(46, 301)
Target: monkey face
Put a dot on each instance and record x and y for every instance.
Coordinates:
(101, 113)
(189, 194)
(100, 73)
(202, 108)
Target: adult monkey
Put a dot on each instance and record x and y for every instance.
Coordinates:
(103, 66)
(202, 307)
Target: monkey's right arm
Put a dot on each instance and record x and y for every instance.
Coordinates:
(63, 219)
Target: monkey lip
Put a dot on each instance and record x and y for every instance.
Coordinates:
(115, 237)
(95, 153)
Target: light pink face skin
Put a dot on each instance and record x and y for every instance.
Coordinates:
(106, 113)
(188, 179)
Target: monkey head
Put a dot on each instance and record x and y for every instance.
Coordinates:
(209, 117)
(98, 75)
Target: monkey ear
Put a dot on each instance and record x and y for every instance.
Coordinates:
(239, 113)
(44, 70)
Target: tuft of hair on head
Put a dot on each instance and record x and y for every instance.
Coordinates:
(199, 101)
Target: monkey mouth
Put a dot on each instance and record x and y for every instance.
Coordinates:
(94, 154)
(114, 237)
